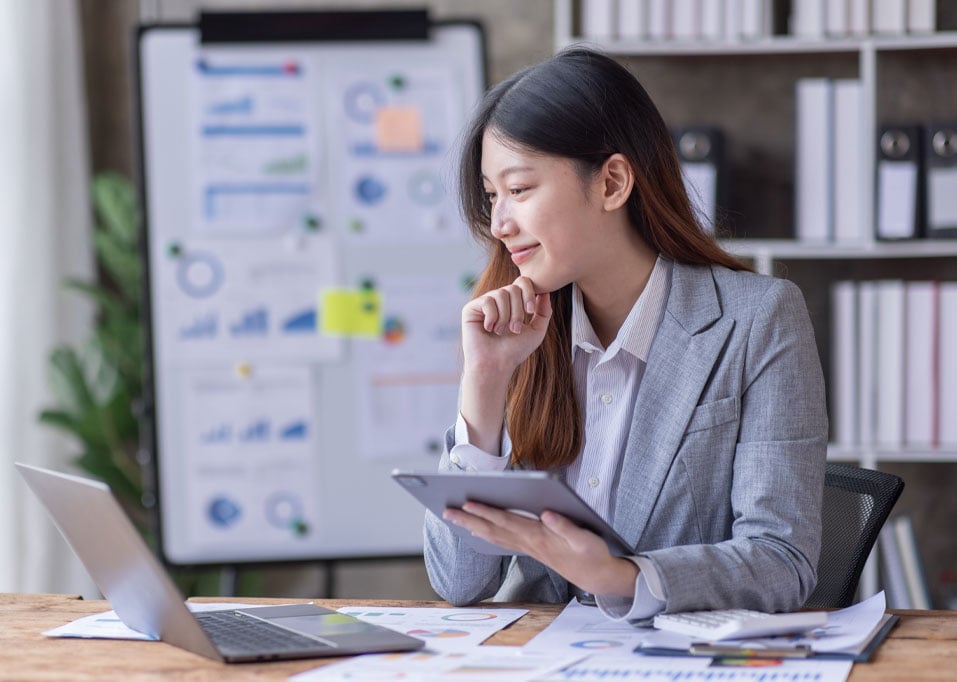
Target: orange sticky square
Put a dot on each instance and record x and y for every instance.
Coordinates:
(398, 129)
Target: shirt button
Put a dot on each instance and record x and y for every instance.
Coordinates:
(606, 398)
(455, 459)
(593, 481)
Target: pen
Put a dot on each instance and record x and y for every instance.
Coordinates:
(705, 649)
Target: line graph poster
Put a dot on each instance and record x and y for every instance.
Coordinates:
(256, 148)
(408, 379)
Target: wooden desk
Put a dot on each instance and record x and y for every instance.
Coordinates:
(922, 647)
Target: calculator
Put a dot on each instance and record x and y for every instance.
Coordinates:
(711, 626)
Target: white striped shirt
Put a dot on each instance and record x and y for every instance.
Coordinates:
(606, 384)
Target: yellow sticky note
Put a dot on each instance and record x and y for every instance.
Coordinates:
(351, 312)
(398, 129)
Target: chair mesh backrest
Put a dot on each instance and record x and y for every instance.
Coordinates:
(856, 504)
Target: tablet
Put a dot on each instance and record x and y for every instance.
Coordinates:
(525, 492)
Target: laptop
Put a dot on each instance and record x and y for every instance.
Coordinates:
(146, 600)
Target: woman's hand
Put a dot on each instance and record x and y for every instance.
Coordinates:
(499, 330)
(502, 327)
(578, 555)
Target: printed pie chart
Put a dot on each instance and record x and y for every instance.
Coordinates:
(438, 634)
(469, 615)
(596, 644)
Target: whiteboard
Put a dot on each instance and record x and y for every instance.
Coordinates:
(306, 267)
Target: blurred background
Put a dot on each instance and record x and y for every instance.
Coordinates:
(71, 168)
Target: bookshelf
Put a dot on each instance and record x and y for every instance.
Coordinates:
(860, 57)
(746, 87)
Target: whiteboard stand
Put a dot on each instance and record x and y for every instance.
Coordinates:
(329, 579)
(228, 581)
(276, 167)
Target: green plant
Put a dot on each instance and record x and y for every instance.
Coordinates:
(98, 384)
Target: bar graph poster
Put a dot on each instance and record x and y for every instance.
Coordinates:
(249, 444)
(281, 178)
(251, 300)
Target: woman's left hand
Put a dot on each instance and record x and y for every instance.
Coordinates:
(577, 554)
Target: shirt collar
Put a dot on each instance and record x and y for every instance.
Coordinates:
(639, 328)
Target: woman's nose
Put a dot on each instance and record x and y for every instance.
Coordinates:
(502, 224)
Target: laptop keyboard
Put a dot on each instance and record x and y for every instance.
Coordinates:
(235, 634)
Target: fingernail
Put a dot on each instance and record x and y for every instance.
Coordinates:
(529, 307)
(516, 327)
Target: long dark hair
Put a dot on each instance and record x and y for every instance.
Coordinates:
(584, 106)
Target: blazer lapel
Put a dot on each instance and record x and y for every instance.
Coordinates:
(686, 347)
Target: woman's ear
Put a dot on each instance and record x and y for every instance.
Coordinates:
(617, 179)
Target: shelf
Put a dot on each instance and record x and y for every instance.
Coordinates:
(842, 453)
(766, 46)
(776, 249)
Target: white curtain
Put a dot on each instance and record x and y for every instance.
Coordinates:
(45, 228)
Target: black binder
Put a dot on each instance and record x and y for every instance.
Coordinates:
(701, 152)
(899, 196)
(940, 176)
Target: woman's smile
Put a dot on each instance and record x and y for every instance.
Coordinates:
(521, 254)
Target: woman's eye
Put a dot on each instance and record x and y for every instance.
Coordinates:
(515, 191)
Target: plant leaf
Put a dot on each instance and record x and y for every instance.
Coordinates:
(114, 201)
(120, 262)
(99, 463)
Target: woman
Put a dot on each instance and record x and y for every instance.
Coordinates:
(613, 339)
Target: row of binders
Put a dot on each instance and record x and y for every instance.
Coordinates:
(902, 570)
(916, 179)
(678, 20)
(821, 19)
(894, 364)
(741, 20)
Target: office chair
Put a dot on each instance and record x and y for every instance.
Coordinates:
(856, 503)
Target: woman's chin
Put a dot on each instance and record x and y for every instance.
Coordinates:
(545, 285)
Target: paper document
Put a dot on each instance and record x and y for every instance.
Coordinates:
(847, 631)
(661, 669)
(585, 629)
(107, 625)
(487, 663)
(442, 628)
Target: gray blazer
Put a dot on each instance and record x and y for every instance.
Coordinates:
(721, 481)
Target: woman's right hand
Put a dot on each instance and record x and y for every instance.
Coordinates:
(503, 327)
(499, 330)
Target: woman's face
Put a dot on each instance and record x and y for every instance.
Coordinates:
(542, 211)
